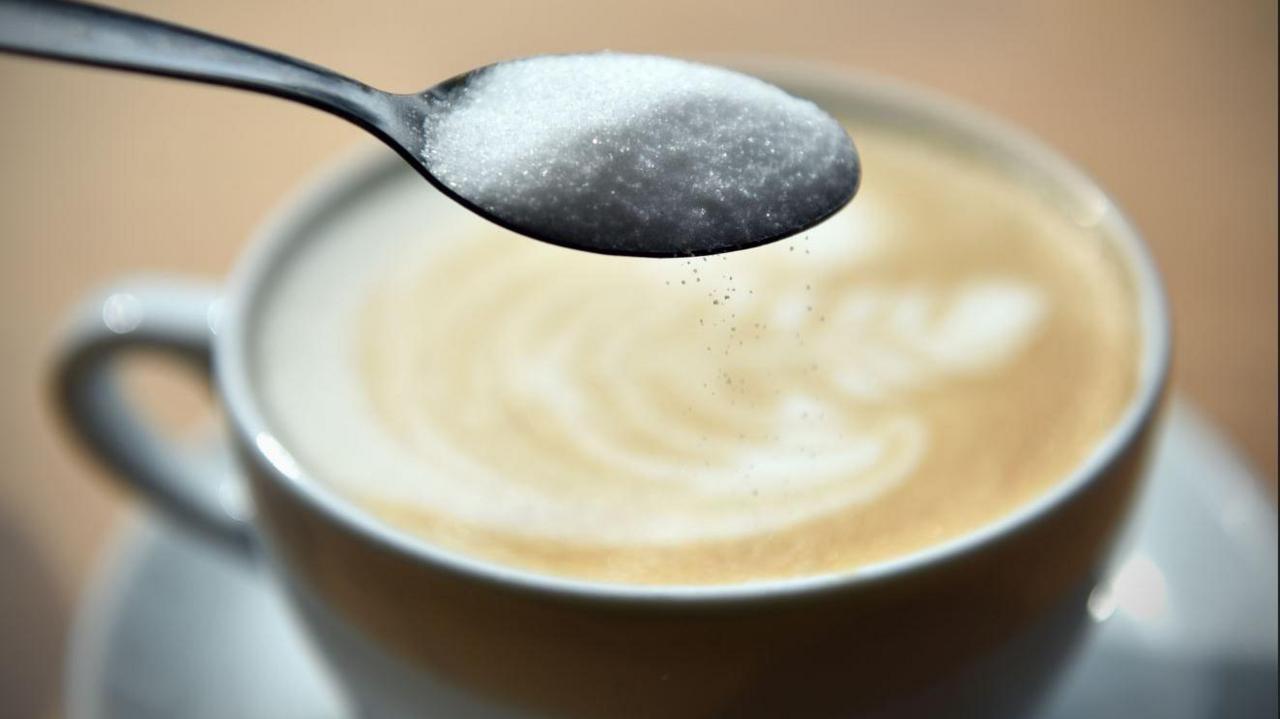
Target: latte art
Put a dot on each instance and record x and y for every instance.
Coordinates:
(930, 358)
(741, 405)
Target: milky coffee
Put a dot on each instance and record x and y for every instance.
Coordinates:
(938, 354)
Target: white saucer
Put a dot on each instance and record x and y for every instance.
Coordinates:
(1185, 628)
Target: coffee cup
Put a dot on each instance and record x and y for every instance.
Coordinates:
(415, 623)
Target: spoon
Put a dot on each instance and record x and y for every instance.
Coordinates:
(632, 225)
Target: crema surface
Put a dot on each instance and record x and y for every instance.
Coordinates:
(939, 353)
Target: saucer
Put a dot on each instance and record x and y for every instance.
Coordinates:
(1184, 628)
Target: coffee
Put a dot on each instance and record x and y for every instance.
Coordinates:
(938, 354)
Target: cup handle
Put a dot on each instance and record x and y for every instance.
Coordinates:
(195, 484)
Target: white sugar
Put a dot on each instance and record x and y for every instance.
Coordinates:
(638, 154)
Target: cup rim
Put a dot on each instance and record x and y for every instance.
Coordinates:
(283, 226)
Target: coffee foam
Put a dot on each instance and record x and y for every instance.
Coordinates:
(930, 358)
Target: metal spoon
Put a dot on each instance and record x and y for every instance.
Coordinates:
(100, 36)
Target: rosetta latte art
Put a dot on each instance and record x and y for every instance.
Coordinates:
(588, 398)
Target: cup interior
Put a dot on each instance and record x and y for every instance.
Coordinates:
(842, 94)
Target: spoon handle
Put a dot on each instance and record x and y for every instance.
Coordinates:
(93, 35)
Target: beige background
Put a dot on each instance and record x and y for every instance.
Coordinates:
(1172, 105)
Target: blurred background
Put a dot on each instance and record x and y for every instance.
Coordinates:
(1171, 104)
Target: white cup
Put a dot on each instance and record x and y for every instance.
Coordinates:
(971, 627)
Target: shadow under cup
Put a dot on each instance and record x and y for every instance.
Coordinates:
(972, 625)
